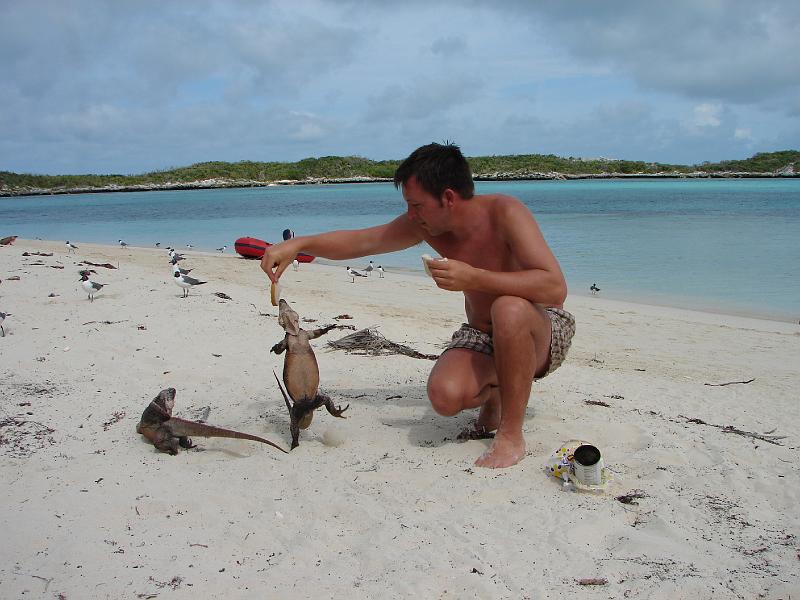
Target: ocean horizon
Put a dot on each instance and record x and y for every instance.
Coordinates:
(728, 246)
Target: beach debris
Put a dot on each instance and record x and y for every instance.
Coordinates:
(597, 403)
(115, 418)
(37, 254)
(371, 342)
(52, 295)
(301, 372)
(13, 278)
(222, 295)
(593, 581)
(166, 432)
(631, 497)
(21, 437)
(730, 382)
(92, 264)
(342, 317)
(8, 240)
(772, 439)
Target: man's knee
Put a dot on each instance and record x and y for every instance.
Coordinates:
(511, 314)
(446, 396)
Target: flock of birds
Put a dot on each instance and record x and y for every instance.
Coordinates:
(368, 270)
(179, 275)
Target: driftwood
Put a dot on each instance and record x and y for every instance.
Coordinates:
(597, 403)
(104, 265)
(222, 295)
(772, 439)
(370, 342)
(730, 382)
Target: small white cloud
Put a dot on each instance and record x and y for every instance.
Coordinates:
(707, 115)
(743, 133)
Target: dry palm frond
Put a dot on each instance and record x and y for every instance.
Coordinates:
(369, 341)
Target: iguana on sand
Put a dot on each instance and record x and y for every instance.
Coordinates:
(166, 432)
(301, 372)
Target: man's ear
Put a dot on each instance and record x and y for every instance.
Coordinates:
(448, 198)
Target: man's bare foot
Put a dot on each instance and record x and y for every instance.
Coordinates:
(504, 452)
(488, 420)
(489, 417)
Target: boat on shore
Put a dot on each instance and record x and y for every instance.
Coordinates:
(250, 247)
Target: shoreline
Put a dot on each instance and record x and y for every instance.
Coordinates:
(223, 183)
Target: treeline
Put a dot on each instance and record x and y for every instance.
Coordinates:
(338, 167)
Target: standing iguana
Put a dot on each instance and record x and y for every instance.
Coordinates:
(301, 372)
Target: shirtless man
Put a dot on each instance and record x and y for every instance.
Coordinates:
(513, 288)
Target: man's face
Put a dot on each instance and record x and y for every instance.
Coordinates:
(423, 208)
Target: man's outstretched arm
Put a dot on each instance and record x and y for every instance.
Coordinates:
(396, 235)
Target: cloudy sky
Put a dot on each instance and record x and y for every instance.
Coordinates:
(91, 86)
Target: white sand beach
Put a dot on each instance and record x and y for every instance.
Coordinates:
(385, 503)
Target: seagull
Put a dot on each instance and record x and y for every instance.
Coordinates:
(295, 264)
(3, 318)
(353, 273)
(369, 268)
(91, 287)
(71, 247)
(189, 246)
(158, 244)
(222, 250)
(174, 255)
(380, 271)
(123, 244)
(186, 282)
(594, 289)
(177, 269)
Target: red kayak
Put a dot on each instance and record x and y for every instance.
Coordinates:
(251, 247)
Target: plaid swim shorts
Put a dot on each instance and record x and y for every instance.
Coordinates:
(562, 328)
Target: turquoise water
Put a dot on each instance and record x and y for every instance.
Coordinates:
(728, 245)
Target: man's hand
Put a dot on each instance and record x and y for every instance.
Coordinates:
(277, 258)
(452, 275)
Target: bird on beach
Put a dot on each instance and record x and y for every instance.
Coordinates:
(123, 244)
(174, 255)
(222, 250)
(186, 282)
(91, 287)
(189, 246)
(380, 271)
(177, 269)
(71, 247)
(158, 244)
(594, 289)
(353, 273)
(3, 318)
(370, 267)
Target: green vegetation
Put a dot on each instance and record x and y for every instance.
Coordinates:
(349, 167)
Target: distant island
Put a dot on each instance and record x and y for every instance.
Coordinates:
(354, 169)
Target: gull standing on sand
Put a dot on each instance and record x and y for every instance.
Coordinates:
(91, 287)
(123, 244)
(174, 255)
(177, 269)
(370, 268)
(71, 247)
(594, 289)
(186, 282)
(353, 273)
(3, 318)
(222, 250)
(380, 271)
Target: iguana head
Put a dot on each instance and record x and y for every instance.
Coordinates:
(165, 401)
(288, 319)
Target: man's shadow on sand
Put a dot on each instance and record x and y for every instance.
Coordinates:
(426, 430)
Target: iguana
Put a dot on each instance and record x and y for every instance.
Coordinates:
(166, 432)
(301, 372)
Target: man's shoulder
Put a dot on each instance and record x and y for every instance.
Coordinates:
(503, 205)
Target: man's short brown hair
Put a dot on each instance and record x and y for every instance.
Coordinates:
(437, 167)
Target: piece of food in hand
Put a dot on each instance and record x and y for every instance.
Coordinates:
(275, 293)
(425, 259)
